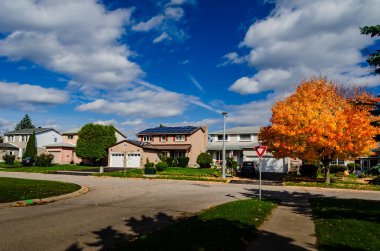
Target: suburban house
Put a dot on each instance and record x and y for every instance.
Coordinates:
(185, 141)
(19, 139)
(240, 143)
(64, 151)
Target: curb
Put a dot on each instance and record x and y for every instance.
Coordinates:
(23, 203)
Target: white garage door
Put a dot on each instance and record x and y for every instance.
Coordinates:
(133, 160)
(117, 160)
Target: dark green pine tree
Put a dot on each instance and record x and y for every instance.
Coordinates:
(31, 149)
(374, 61)
(25, 123)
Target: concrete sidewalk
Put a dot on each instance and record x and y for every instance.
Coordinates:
(290, 227)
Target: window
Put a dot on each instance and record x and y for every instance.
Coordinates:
(179, 154)
(55, 139)
(245, 137)
(70, 136)
(163, 138)
(220, 137)
(147, 138)
(180, 138)
(10, 138)
(24, 138)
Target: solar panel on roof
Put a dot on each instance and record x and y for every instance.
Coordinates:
(180, 129)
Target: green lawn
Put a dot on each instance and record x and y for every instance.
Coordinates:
(38, 169)
(172, 173)
(12, 189)
(347, 224)
(226, 227)
(350, 182)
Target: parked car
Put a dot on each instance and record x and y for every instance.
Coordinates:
(248, 168)
(28, 161)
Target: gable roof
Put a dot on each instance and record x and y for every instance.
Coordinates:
(76, 131)
(239, 130)
(30, 131)
(170, 130)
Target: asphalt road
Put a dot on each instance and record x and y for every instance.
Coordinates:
(116, 209)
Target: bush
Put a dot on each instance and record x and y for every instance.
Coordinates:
(149, 165)
(170, 161)
(353, 166)
(204, 160)
(231, 163)
(161, 166)
(375, 170)
(337, 168)
(150, 170)
(183, 161)
(44, 160)
(9, 159)
(308, 170)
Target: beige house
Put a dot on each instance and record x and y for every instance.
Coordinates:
(185, 141)
(64, 151)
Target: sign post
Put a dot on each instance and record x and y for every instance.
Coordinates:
(260, 150)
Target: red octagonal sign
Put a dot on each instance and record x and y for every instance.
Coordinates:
(260, 150)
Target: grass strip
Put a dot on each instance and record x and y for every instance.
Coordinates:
(13, 189)
(346, 224)
(225, 227)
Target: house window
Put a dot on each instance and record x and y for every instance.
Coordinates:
(147, 138)
(220, 137)
(70, 136)
(245, 137)
(55, 139)
(180, 138)
(10, 138)
(164, 138)
(179, 154)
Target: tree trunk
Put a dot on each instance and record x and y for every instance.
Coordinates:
(327, 174)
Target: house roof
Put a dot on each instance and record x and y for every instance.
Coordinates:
(8, 146)
(133, 142)
(76, 131)
(170, 130)
(169, 147)
(30, 131)
(239, 130)
(62, 144)
(218, 146)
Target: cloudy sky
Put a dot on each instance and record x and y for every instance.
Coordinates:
(141, 63)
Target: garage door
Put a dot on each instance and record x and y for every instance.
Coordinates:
(117, 160)
(133, 160)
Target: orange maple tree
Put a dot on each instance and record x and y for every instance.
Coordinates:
(319, 123)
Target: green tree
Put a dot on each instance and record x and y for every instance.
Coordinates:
(204, 160)
(1, 139)
(374, 57)
(31, 149)
(25, 123)
(94, 141)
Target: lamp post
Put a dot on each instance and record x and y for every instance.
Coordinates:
(224, 145)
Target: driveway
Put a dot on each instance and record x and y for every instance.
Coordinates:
(115, 209)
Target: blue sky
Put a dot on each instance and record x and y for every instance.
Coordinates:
(137, 64)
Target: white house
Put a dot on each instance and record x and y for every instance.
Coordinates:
(19, 139)
(240, 143)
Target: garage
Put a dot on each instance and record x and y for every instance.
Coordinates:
(133, 160)
(117, 159)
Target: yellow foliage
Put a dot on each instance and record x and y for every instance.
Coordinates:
(318, 122)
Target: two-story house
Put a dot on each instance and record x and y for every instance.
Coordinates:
(19, 139)
(239, 144)
(64, 151)
(184, 141)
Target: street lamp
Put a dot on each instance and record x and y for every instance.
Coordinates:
(224, 145)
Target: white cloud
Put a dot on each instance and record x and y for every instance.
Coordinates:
(175, 13)
(301, 39)
(136, 122)
(25, 96)
(152, 23)
(203, 122)
(186, 61)
(59, 36)
(106, 122)
(6, 125)
(50, 123)
(232, 58)
(161, 38)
